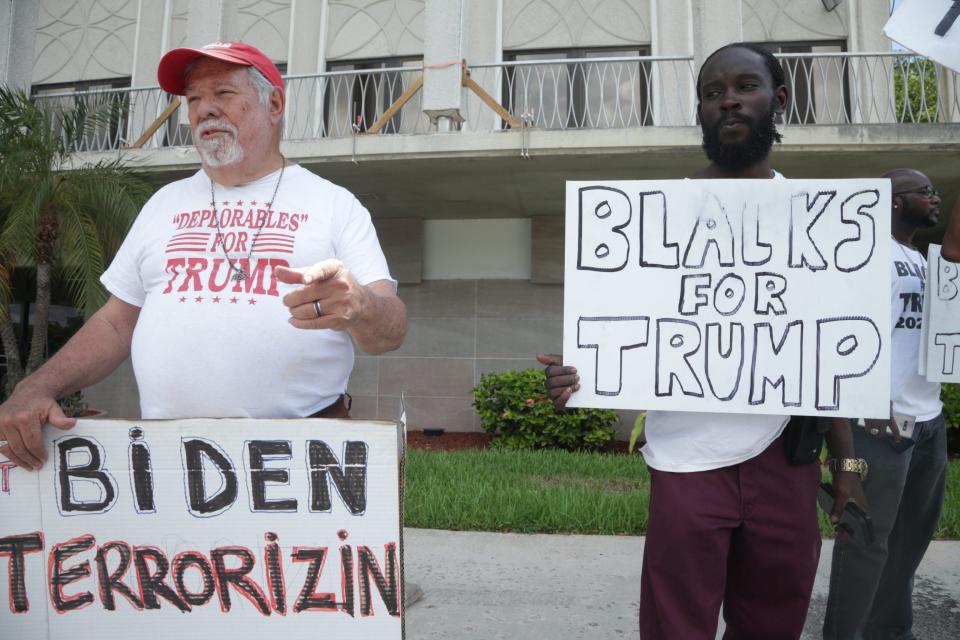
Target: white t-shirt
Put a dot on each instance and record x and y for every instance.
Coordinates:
(208, 346)
(912, 394)
(684, 441)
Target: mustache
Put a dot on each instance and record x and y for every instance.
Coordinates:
(734, 117)
(216, 123)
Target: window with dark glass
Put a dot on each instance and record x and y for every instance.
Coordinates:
(99, 107)
(818, 85)
(579, 88)
(359, 92)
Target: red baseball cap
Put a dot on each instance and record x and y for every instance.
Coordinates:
(174, 63)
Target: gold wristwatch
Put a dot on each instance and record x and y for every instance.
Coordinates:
(856, 465)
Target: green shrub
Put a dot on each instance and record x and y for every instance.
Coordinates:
(514, 406)
(951, 405)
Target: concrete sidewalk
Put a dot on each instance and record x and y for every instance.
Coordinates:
(492, 585)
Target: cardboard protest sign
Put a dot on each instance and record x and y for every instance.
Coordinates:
(205, 529)
(940, 340)
(747, 296)
(929, 27)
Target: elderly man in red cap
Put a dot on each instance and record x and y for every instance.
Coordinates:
(240, 290)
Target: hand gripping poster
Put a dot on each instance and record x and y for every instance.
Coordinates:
(741, 296)
(214, 529)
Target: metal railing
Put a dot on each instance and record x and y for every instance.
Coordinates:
(868, 88)
(337, 104)
(586, 93)
(119, 116)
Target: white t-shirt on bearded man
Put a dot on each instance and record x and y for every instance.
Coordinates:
(208, 346)
(686, 441)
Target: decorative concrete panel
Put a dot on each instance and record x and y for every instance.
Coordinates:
(84, 40)
(562, 24)
(438, 337)
(789, 20)
(402, 242)
(511, 337)
(451, 414)
(547, 249)
(440, 299)
(359, 29)
(426, 377)
(264, 24)
(179, 12)
(518, 299)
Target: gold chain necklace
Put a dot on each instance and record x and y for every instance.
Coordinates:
(239, 273)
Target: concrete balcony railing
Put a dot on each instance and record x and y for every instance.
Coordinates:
(869, 88)
(338, 104)
(589, 93)
(553, 94)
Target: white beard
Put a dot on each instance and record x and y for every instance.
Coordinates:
(221, 150)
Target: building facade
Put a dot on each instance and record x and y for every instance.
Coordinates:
(468, 200)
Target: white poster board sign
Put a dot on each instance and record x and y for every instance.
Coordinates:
(940, 346)
(215, 529)
(746, 296)
(929, 27)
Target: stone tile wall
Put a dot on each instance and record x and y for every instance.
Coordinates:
(457, 330)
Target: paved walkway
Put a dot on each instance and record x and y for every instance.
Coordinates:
(492, 585)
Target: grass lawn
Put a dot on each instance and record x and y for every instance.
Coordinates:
(553, 492)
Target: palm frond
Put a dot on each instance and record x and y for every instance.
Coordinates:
(93, 204)
(81, 259)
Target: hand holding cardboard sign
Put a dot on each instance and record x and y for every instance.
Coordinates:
(22, 418)
(561, 381)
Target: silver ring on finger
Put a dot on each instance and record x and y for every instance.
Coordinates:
(317, 308)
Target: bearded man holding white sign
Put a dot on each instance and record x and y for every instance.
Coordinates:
(732, 521)
(208, 292)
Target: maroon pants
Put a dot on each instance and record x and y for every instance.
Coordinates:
(745, 536)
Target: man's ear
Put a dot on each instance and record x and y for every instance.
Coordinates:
(783, 96)
(277, 103)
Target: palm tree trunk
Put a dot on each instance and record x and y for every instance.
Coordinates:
(41, 315)
(11, 350)
(46, 238)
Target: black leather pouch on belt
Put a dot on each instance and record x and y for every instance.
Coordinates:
(803, 438)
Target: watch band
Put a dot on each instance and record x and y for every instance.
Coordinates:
(855, 465)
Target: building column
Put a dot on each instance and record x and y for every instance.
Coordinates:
(871, 78)
(715, 23)
(148, 45)
(483, 42)
(673, 101)
(146, 106)
(18, 28)
(306, 54)
(443, 48)
(209, 20)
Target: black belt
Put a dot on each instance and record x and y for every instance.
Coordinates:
(339, 408)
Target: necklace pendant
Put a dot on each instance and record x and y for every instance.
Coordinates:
(239, 276)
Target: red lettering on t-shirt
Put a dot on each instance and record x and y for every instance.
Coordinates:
(172, 264)
(194, 267)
